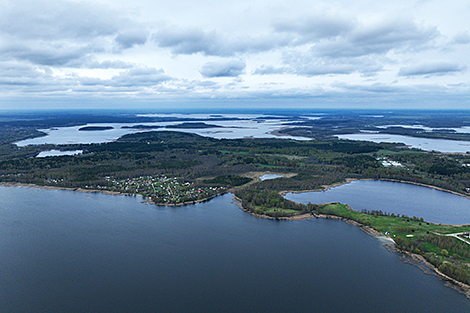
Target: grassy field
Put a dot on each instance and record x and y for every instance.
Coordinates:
(394, 225)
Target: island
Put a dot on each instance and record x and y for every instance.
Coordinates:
(194, 125)
(95, 128)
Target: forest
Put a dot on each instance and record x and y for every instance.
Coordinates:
(200, 160)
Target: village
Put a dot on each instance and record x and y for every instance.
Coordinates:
(163, 190)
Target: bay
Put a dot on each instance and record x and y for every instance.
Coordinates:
(433, 205)
(63, 251)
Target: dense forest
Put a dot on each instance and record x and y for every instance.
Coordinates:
(200, 160)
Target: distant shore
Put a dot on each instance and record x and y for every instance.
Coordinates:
(349, 180)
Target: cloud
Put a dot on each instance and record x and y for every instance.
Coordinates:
(129, 38)
(43, 54)
(106, 64)
(190, 41)
(308, 64)
(270, 70)
(142, 76)
(315, 27)
(431, 68)
(378, 38)
(134, 78)
(59, 33)
(342, 46)
(462, 38)
(376, 88)
(223, 69)
(213, 43)
(13, 73)
(52, 20)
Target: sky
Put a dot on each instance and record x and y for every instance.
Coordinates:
(376, 54)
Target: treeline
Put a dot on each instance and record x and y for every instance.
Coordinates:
(452, 245)
(228, 180)
(262, 201)
(449, 247)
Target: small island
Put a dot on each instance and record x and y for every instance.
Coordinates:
(192, 126)
(95, 128)
(140, 126)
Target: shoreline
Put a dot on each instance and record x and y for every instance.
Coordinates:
(349, 180)
(416, 258)
(238, 202)
(105, 192)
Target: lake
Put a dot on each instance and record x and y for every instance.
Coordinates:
(247, 126)
(234, 126)
(63, 251)
(428, 144)
(433, 205)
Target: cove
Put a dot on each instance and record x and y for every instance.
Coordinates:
(392, 197)
(63, 251)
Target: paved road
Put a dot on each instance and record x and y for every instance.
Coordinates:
(456, 235)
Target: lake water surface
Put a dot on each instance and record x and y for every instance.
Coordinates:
(428, 144)
(392, 197)
(246, 126)
(63, 251)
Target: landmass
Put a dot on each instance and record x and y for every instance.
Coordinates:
(174, 168)
(95, 128)
(193, 125)
(141, 127)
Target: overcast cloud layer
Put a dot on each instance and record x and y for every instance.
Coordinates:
(363, 53)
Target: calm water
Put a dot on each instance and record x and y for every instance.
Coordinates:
(431, 204)
(64, 251)
(248, 126)
(442, 145)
